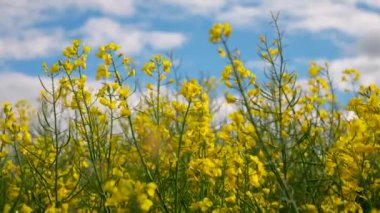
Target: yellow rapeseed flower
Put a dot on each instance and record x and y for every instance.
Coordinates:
(230, 98)
(25, 209)
(273, 51)
(218, 30)
(222, 53)
(150, 86)
(102, 72)
(86, 49)
(227, 30)
(54, 68)
(145, 203)
(314, 69)
(151, 188)
(167, 65)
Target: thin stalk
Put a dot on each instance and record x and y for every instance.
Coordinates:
(176, 189)
(56, 143)
(280, 180)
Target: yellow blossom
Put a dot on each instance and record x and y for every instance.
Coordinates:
(150, 86)
(26, 209)
(102, 72)
(230, 199)
(86, 49)
(145, 203)
(167, 65)
(151, 187)
(314, 69)
(54, 68)
(222, 53)
(230, 98)
(273, 51)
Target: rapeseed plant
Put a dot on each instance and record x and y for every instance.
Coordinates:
(283, 148)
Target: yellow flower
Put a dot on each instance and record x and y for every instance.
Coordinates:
(230, 98)
(230, 199)
(125, 112)
(227, 30)
(126, 61)
(113, 46)
(107, 59)
(228, 84)
(273, 51)
(7, 208)
(132, 72)
(148, 68)
(145, 203)
(125, 92)
(76, 42)
(191, 89)
(151, 188)
(102, 52)
(162, 77)
(5, 139)
(150, 86)
(26, 209)
(109, 186)
(222, 53)
(205, 204)
(102, 72)
(68, 65)
(54, 68)
(167, 65)
(216, 33)
(86, 49)
(314, 69)
(157, 58)
(3, 154)
(65, 208)
(310, 208)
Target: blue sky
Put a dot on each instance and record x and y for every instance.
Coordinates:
(345, 33)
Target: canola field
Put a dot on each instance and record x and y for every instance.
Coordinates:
(284, 147)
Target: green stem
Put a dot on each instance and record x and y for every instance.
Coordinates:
(279, 179)
(176, 189)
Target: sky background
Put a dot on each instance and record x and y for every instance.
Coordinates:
(344, 33)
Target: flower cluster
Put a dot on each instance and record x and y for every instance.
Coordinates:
(282, 148)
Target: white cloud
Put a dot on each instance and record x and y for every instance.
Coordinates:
(241, 16)
(344, 16)
(368, 66)
(370, 3)
(257, 64)
(164, 40)
(109, 7)
(21, 39)
(198, 7)
(32, 43)
(303, 84)
(23, 13)
(99, 31)
(221, 115)
(15, 86)
(368, 44)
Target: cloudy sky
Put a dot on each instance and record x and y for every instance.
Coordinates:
(344, 33)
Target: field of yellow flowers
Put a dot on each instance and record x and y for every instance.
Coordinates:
(284, 148)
